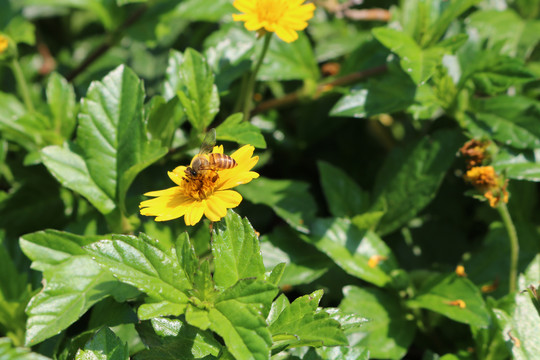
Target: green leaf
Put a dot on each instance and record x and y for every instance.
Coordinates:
(197, 91)
(177, 339)
(440, 294)
(511, 120)
(163, 119)
(21, 30)
(409, 179)
(342, 353)
(229, 52)
(304, 263)
(520, 326)
(392, 92)
(62, 104)
(236, 251)
(237, 318)
(451, 12)
(351, 249)
(389, 331)
(113, 146)
(493, 73)
(514, 35)
(72, 287)
(11, 112)
(294, 61)
(10, 352)
(242, 132)
(104, 345)
(418, 63)
(143, 263)
(300, 324)
(173, 81)
(204, 10)
(523, 165)
(343, 195)
(49, 248)
(290, 199)
(69, 167)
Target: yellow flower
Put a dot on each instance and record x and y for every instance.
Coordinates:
(486, 180)
(192, 198)
(4, 42)
(284, 17)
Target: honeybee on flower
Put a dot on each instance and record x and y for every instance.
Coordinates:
(203, 187)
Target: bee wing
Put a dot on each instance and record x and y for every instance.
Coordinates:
(208, 142)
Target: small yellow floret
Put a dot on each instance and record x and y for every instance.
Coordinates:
(4, 42)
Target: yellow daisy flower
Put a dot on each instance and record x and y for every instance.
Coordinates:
(4, 42)
(284, 17)
(192, 198)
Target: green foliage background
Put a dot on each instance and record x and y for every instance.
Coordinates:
(100, 98)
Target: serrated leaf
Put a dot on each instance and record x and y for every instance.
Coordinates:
(104, 345)
(242, 132)
(419, 63)
(237, 316)
(409, 179)
(72, 287)
(300, 324)
(441, 293)
(344, 196)
(388, 332)
(351, 249)
(176, 339)
(9, 352)
(236, 251)
(61, 100)
(197, 91)
(294, 61)
(112, 142)
(290, 200)
(142, 263)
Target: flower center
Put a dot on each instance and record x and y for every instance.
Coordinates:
(202, 186)
(271, 10)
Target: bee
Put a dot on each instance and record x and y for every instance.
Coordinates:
(207, 161)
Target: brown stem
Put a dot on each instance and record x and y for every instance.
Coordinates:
(111, 40)
(321, 89)
(367, 14)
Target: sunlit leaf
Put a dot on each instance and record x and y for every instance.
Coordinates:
(388, 332)
(104, 345)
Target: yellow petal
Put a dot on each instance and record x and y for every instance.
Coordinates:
(194, 213)
(230, 198)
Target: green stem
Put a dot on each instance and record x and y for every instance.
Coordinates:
(252, 79)
(21, 82)
(514, 245)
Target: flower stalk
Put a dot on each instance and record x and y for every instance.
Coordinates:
(514, 245)
(21, 82)
(248, 95)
